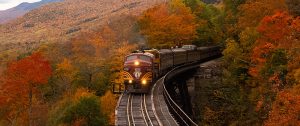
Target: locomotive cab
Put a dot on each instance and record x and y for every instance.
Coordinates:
(138, 72)
(156, 61)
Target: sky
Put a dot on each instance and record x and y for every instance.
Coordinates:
(6, 4)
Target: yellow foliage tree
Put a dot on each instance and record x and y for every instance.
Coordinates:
(108, 105)
(66, 73)
(82, 92)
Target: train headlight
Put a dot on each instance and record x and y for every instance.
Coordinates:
(130, 81)
(136, 63)
(144, 82)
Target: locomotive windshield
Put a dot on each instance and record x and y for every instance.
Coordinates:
(145, 58)
(142, 57)
(131, 58)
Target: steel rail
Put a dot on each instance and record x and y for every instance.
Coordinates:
(148, 120)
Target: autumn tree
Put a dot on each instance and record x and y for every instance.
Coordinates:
(56, 52)
(89, 53)
(285, 109)
(193, 4)
(253, 11)
(85, 112)
(232, 5)
(168, 25)
(230, 11)
(21, 81)
(210, 22)
(233, 54)
(274, 30)
(108, 106)
(65, 75)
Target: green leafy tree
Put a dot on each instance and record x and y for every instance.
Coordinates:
(83, 108)
(87, 109)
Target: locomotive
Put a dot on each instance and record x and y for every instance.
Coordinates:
(141, 69)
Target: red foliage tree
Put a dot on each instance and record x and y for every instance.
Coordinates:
(275, 31)
(21, 80)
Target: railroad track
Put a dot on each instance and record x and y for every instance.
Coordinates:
(136, 110)
(144, 109)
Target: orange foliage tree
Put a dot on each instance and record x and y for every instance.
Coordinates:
(20, 87)
(285, 109)
(253, 11)
(168, 25)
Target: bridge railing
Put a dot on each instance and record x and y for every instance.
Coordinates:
(176, 111)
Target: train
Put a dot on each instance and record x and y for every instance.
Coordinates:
(142, 68)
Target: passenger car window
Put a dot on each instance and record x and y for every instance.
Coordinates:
(193, 47)
(145, 58)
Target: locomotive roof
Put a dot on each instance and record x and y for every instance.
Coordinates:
(203, 47)
(151, 49)
(189, 47)
(208, 47)
(165, 50)
(178, 50)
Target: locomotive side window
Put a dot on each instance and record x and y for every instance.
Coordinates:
(131, 58)
(145, 58)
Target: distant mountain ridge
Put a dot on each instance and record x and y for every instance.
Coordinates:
(21, 9)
